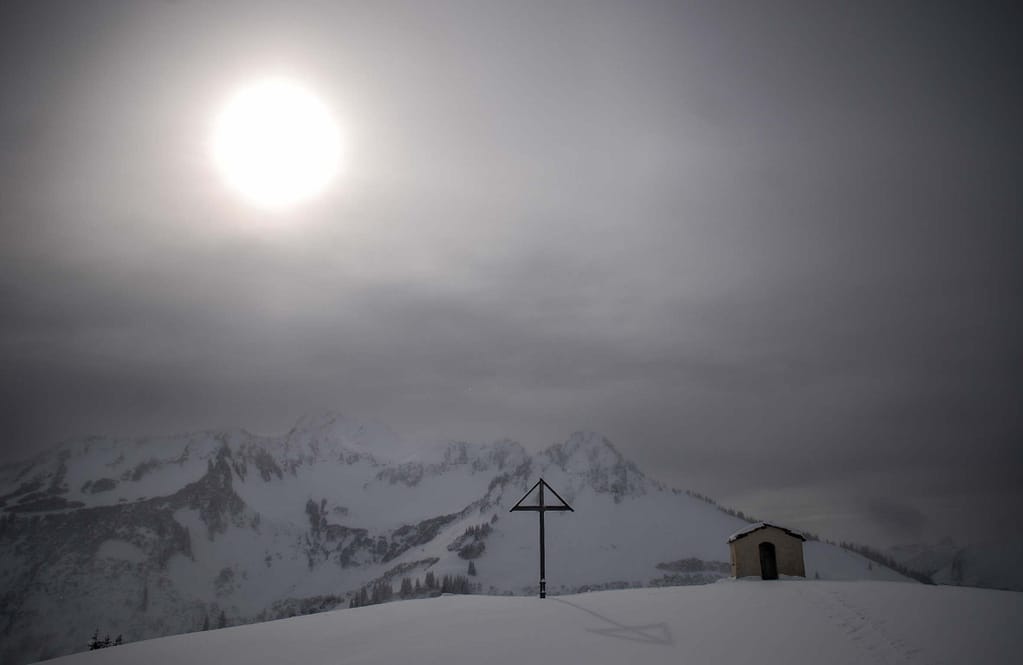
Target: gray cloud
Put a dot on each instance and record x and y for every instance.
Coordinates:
(902, 520)
(767, 251)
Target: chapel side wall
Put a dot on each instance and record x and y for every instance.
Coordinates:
(789, 553)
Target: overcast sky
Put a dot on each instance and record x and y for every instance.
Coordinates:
(772, 250)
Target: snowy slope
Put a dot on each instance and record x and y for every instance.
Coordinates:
(156, 536)
(736, 622)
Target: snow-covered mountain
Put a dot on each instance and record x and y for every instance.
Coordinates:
(992, 565)
(157, 536)
(925, 558)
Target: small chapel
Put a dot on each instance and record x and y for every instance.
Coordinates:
(766, 551)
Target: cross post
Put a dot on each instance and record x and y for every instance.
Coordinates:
(542, 508)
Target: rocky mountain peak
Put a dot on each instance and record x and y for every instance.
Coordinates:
(584, 450)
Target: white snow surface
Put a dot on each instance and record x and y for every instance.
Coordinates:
(731, 622)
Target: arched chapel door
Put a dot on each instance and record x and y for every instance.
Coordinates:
(768, 562)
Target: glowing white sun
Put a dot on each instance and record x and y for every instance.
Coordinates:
(276, 144)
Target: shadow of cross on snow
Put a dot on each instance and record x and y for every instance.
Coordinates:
(651, 633)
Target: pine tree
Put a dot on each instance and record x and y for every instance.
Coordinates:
(94, 643)
(206, 622)
(418, 587)
(431, 580)
(119, 641)
(472, 569)
(222, 620)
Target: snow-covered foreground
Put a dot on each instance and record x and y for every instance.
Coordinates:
(731, 622)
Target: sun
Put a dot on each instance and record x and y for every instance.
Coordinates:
(276, 144)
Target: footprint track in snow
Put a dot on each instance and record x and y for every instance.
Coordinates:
(870, 636)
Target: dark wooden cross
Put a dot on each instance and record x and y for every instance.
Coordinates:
(542, 508)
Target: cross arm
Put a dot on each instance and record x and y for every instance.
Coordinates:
(542, 509)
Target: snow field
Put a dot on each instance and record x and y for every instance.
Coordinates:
(768, 623)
